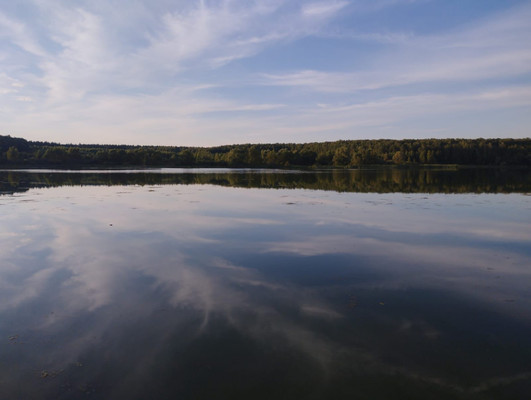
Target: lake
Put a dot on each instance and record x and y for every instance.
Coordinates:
(260, 284)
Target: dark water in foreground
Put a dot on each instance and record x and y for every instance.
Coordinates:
(260, 285)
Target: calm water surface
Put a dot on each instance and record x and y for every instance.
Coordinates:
(262, 285)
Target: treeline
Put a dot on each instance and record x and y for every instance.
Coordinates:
(389, 180)
(343, 153)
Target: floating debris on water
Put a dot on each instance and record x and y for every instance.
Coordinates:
(50, 374)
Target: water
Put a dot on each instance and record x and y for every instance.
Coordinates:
(257, 284)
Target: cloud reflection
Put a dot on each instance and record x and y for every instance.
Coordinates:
(152, 268)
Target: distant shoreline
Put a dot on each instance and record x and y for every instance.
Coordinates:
(427, 153)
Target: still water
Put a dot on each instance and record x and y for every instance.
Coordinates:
(208, 284)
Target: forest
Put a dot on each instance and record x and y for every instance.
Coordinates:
(18, 152)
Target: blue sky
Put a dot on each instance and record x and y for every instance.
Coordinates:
(241, 71)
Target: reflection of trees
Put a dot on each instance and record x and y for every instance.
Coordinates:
(474, 180)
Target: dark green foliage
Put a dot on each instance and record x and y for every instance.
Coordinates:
(12, 154)
(237, 157)
(343, 153)
(7, 141)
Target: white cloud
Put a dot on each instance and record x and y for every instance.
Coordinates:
(24, 98)
(373, 117)
(167, 73)
(183, 117)
(98, 69)
(493, 49)
(20, 35)
(323, 8)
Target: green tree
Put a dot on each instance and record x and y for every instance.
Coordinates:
(204, 157)
(324, 158)
(236, 157)
(254, 156)
(398, 158)
(55, 155)
(341, 156)
(13, 154)
(186, 157)
(284, 157)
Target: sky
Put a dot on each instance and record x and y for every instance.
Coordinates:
(206, 73)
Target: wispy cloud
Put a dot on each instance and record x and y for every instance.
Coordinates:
(493, 49)
(210, 72)
(94, 58)
(323, 8)
(20, 35)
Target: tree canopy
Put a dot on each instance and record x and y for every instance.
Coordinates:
(342, 153)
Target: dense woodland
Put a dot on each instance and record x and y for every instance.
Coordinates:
(18, 152)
